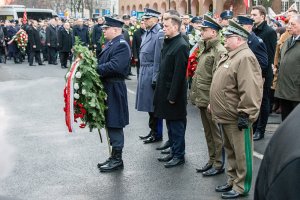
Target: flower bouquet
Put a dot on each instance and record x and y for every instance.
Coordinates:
(194, 37)
(84, 94)
(192, 61)
(21, 39)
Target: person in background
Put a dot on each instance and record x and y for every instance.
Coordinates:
(81, 31)
(97, 35)
(35, 44)
(225, 16)
(65, 41)
(52, 42)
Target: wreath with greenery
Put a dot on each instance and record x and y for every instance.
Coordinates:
(89, 96)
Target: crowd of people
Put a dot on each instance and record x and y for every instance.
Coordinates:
(246, 67)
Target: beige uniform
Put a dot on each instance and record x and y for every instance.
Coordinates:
(237, 86)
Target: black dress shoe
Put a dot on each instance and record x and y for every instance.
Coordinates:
(166, 151)
(41, 64)
(164, 146)
(258, 135)
(223, 188)
(213, 171)
(152, 139)
(103, 163)
(145, 137)
(165, 158)
(205, 168)
(32, 65)
(55, 63)
(174, 162)
(232, 194)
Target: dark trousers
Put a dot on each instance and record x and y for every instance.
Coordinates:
(287, 107)
(176, 133)
(156, 125)
(138, 69)
(37, 55)
(116, 136)
(64, 57)
(52, 55)
(45, 53)
(261, 122)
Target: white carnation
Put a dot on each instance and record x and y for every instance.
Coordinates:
(78, 75)
(83, 91)
(76, 96)
(76, 86)
(67, 75)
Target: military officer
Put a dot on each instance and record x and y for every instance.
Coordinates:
(224, 17)
(210, 53)
(255, 43)
(235, 98)
(112, 67)
(150, 51)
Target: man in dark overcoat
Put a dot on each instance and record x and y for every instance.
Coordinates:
(35, 44)
(52, 42)
(170, 97)
(112, 67)
(65, 41)
(82, 32)
(269, 36)
(96, 35)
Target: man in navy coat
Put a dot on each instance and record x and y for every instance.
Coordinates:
(113, 63)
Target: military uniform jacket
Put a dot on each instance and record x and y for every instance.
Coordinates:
(51, 36)
(209, 56)
(237, 86)
(288, 83)
(171, 82)
(149, 67)
(112, 67)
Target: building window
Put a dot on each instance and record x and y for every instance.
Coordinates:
(297, 4)
(255, 2)
(284, 5)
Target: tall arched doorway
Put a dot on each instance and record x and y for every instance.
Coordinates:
(173, 5)
(163, 7)
(122, 10)
(128, 10)
(182, 7)
(140, 7)
(155, 6)
(195, 8)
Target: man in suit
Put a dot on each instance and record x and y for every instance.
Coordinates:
(52, 42)
(136, 44)
(65, 41)
(269, 36)
(113, 63)
(35, 44)
(149, 67)
(82, 32)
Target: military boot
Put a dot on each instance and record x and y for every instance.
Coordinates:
(114, 163)
(100, 164)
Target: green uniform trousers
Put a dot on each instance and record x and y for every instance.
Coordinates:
(213, 139)
(239, 150)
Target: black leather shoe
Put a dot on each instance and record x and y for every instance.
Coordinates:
(213, 171)
(165, 158)
(232, 194)
(152, 139)
(103, 163)
(223, 188)
(174, 162)
(258, 135)
(205, 168)
(164, 146)
(41, 64)
(32, 65)
(115, 162)
(145, 137)
(55, 63)
(166, 151)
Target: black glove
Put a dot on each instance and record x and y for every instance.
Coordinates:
(153, 85)
(243, 121)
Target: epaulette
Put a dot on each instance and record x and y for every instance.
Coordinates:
(260, 40)
(160, 30)
(122, 41)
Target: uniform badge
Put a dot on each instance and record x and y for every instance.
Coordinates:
(226, 65)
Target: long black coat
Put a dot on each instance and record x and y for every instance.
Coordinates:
(65, 40)
(171, 82)
(51, 36)
(278, 176)
(34, 39)
(269, 36)
(113, 64)
(96, 36)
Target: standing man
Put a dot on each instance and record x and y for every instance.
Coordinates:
(136, 44)
(82, 32)
(210, 53)
(288, 83)
(112, 67)
(186, 22)
(52, 42)
(170, 98)
(65, 41)
(149, 67)
(97, 36)
(35, 44)
(235, 98)
(269, 36)
(225, 16)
